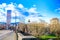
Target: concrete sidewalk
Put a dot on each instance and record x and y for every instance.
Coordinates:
(7, 35)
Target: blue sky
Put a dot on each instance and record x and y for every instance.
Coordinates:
(41, 9)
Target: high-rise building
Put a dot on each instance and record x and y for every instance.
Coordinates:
(8, 18)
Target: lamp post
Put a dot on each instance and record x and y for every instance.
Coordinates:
(16, 28)
(27, 27)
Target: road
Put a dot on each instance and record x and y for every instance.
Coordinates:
(7, 35)
(11, 35)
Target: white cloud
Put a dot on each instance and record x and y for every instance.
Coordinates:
(3, 11)
(4, 5)
(15, 13)
(37, 19)
(34, 15)
(10, 7)
(0, 6)
(57, 10)
(34, 5)
(20, 6)
(2, 19)
(32, 10)
(14, 20)
(32, 19)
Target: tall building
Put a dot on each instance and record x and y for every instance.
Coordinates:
(8, 18)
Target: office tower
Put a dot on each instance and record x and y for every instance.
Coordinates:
(8, 18)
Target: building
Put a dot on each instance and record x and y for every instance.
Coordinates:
(8, 18)
(54, 20)
(2, 25)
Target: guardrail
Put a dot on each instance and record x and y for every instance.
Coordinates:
(25, 37)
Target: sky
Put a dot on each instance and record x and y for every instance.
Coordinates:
(29, 9)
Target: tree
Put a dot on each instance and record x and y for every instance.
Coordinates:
(36, 29)
(55, 26)
(21, 27)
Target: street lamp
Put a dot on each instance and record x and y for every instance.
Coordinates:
(16, 28)
(29, 20)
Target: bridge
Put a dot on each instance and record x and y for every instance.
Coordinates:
(11, 35)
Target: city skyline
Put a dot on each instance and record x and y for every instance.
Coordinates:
(41, 9)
